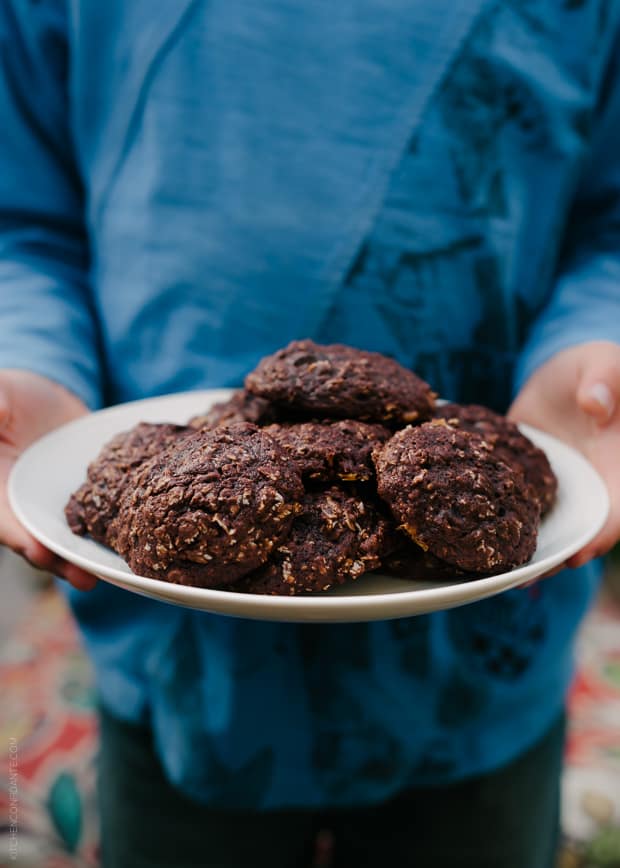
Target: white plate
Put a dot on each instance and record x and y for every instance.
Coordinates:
(53, 467)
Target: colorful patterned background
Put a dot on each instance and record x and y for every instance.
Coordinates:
(48, 739)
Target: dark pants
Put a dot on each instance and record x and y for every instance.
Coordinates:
(507, 819)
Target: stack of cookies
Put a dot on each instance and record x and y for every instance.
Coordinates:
(329, 463)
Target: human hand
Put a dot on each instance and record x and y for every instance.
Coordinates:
(576, 397)
(30, 406)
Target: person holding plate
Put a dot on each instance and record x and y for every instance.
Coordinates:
(185, 187)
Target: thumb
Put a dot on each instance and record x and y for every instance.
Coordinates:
(598, 388)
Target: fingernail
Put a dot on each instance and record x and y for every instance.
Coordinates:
(602, 394)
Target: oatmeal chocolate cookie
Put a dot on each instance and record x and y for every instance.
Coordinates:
(210, 508)
(240, 407)
(455, 497)
(330, 451)
(341, 382)
(334, 539)
(92, 508)
(510, 445)
(409, 561)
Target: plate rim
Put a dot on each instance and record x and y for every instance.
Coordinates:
(315, 607)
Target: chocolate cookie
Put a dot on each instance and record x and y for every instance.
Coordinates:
(210, 508)
(240, 407)
(409, 561)
(455, 497)
(510, 445)
(330, 451)
(341, 382)
(334, 539)
(92, 508)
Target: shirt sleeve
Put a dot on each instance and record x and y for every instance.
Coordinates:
(585, 302)
(47, 324)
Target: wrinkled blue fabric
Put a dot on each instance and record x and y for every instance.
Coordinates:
(184, 187)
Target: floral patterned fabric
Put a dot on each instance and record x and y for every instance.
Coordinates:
(591, 784)
(48, 740)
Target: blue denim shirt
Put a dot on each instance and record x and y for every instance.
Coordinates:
(187, 185)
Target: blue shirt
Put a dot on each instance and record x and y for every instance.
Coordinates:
(187, 185)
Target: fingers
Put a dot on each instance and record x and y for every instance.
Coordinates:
(583, 557)
(606, 539)
(547, 575)
(41, 558)
(598, 387)
(598, 396)
(76, 576)
(29, 406)
(597, 400)
(15, 537)
(596, 549)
